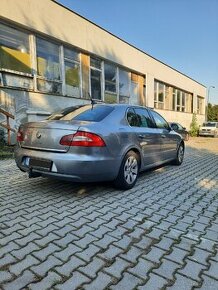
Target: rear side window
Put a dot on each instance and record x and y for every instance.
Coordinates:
(88, 113)
(139, 117)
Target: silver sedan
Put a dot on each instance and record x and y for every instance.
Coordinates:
(100, 142)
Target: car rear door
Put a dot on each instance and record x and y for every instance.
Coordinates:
(168, 140)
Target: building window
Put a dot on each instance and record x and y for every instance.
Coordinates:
(180, 100)
(110, 75)
(14, 50)
(96, 78)
(200, 105)
(48, 66)
(72, 72)
(124, 86)
(159, 95)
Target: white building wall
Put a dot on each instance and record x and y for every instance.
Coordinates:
(51, 19)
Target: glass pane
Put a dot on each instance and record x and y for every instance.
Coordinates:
(155, 90)
(95, 62)
(110, 98)
(134, 98)
(123, 83)
(110, 77)
(183, 99)
(144, 119)
(48, 59)
(123, 100)
(18, 81)
(72, 74)
(14, 50)
(178, 98)
(71, 54)
(96, 84)
(72, 79)
(161, 92)
(51, 87)
(159, 120)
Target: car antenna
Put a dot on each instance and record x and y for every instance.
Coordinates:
(92, 101)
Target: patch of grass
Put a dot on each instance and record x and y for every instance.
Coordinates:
(6, 151)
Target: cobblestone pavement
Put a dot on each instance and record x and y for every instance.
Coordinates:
(162, 234)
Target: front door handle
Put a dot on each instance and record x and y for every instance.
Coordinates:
(141, 136)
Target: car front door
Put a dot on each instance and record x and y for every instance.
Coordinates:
(168, 140)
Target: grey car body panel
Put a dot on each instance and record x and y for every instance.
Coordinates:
(155, 147)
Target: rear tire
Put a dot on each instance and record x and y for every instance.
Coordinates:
(128, 172)
(179, 155)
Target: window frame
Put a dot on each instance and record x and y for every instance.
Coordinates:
(63, 71)
(101, 78)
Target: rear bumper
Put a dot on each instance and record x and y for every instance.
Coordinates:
(74, 167)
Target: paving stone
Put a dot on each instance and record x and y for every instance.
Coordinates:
(154, 282)
(21, 281)
(92, 268)
(77, 279)
(192, 270)
(206, 245)
(29, 238)
(165, 243)
(123, 243)
(49, 238)
(127, 282)
(142, 268)
(24, 251)
(42, 254)
(200, 256)
(117, 267)
(5, 276)
(183, 283)
(10, 247)
(208, 283)
(6, 261)
(132, 254)
(177, 255)
(42, 268)
(19, 267)
(213, 270)
(88, 253)
(84, 242)
(155, 255)
(68, 267)
(105, 242)
(65, 254)
(110, 253)
(47, 282)
(66, 240)
(167, 269)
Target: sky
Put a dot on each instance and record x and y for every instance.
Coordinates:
(180, 33)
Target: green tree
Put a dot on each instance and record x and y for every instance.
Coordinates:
(194, 126)
(212, 112)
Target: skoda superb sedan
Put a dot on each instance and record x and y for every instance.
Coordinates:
(100, 142)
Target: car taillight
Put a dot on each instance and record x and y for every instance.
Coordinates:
(20, 135)
(83, 139)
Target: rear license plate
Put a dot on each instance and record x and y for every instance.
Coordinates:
(40, 164)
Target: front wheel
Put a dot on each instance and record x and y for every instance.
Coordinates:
(179, 155)
(128, 172)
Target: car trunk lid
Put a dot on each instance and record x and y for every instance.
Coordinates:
(46, 135)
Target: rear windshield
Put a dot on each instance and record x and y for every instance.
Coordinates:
(83, 113)
(208, 124)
